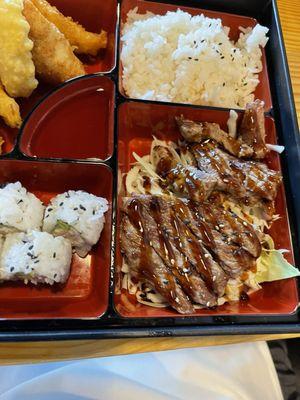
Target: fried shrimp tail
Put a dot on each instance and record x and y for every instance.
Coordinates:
(17, 70)
(84, 42)
(9, 111)
(52, 54)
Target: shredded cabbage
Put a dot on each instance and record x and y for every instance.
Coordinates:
(272, 266)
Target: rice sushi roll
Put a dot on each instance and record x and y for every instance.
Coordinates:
(36, 257)
(20, 211)
(78, 216)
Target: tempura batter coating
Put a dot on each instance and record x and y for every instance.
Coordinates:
(9, 111)
(52, 54)
(17, 70)
(83, 42)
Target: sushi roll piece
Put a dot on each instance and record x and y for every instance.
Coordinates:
(35, 257)
(78, 216)
(20, 211)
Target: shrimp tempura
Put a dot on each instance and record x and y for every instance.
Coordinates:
(83, 41)
(17, 71)
(52, 54)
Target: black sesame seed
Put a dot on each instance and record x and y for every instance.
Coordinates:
(24, 241)
(54, 255)
(245, 84)
(75, 209)
(196, 59)
(32, 269)
(36, 261)
(27, 266)
(54, 276)
(30, 247)
(11, 269)
(20, 201)
(83, 208)
(30, 255)
(49, 209)
(220, 44)
(94, 212)
(209, 25)
(67, 196)
(217, 51)
(203, 40)
(234, 50)
(189, 58)
(61, 204)
(194, 41)
(223, 83)
(222, 57)
(47, 216)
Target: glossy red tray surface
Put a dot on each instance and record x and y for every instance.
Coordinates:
(93, 15)
(138, 123)
(85, 295)
(230, 20)
(75, 122)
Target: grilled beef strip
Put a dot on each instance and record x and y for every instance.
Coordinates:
(183, 179)
(161, 228)
(242, 179)
(230, 256)
(232, 227)
(194, 132)
(216, 162)
(252, 128)
(196, 242)
(147, 266)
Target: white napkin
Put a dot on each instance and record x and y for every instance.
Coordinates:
(232, 372)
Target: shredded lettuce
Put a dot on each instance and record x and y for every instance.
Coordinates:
(272, 266)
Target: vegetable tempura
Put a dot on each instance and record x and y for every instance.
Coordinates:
(16, 66)
(9, 111)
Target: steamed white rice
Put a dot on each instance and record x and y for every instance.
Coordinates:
(190, 59)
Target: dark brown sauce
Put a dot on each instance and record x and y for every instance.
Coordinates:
(164, 166)
(147, 183)
(244, 296)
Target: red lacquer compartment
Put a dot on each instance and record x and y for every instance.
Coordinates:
(138, 123)
(230, 20)
(93, 15)
(85, 294)
(75, 122)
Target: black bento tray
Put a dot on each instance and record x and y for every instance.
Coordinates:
(111, 325)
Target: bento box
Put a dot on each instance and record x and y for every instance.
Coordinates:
(82, 135)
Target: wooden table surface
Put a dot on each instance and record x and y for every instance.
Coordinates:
(12, 353)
